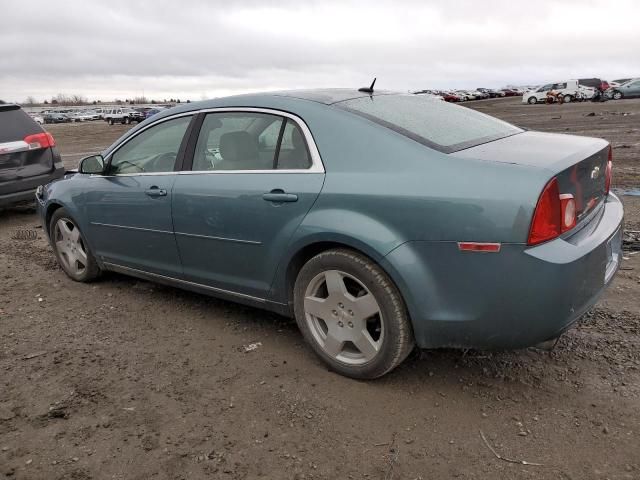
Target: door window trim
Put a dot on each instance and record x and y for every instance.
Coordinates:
(179, 162)
(316, 161)
(196, 123)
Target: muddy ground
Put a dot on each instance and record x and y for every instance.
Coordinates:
(124, 379)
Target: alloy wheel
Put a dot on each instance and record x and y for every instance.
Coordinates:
(70, 246)
(344, 317)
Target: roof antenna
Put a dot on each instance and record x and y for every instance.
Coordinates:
(368, 89)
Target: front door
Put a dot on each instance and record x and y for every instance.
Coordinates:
(253, 180)
(129, 208)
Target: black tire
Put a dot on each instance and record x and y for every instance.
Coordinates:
(532, 100)
(617, 95)
(396, 341)
(91, 270)
(111, 121)
(567, 99)
(127, 120)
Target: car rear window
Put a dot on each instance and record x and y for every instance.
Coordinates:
(432, 122)
(15, 125)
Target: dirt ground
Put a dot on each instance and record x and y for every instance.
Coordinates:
(124, 379)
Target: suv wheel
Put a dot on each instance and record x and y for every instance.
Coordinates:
(111, 121)
(352, 314)
(71, 250)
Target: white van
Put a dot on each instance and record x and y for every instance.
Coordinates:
(569, 89)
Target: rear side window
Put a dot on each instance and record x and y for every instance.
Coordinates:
(15, 125)
(294, 154)
(434, 123)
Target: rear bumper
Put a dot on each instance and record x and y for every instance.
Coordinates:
(25, 188)
(518, 297)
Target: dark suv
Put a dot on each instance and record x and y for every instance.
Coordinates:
(28, 156)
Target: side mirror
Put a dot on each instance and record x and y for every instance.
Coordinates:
(92, 165)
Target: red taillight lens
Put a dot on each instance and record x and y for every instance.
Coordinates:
(608, 173)
(40, 140)
(547, 218)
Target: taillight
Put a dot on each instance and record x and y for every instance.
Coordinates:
(40, 140)
(608, 172)
(568, 212)
(547, 218)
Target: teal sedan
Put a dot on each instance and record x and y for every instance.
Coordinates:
(380, 221)
(629, 89)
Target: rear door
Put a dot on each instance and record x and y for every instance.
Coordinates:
(21, 161)
(129, 208)
(254, 176)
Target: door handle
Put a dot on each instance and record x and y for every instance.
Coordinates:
(156, 192)
(278, 195)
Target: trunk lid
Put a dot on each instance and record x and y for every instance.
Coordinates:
(579, 163)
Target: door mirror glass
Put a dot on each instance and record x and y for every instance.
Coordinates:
(93, 164)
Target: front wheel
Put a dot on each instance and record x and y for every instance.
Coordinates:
(532, 100)
(71, 250)
(352, 314)
(111, 121)
(567, 99)
(617, 95)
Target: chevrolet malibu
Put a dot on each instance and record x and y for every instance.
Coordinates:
(380, 221)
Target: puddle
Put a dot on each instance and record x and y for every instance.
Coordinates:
(627, 191)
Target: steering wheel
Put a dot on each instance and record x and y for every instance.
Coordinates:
(164, 162)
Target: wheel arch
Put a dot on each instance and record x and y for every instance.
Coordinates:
(51, 209)
(284, 285)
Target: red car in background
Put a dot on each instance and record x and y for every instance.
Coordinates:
(450, 97)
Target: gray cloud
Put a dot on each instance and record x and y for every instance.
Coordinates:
(203, 48)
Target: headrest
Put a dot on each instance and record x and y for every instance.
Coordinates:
(238, 147)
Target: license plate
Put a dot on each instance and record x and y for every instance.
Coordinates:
(614, 253)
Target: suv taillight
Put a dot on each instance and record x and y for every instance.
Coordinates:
(608, 172)
(40, 140)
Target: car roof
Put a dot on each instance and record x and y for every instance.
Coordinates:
(9, 106)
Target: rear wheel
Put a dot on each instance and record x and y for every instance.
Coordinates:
(617, 95)
(127, 120)
(111, 121)
(532, 100)
(352, 314)
(567, 99)
(71, 250)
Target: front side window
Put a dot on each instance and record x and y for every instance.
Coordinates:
(439, 125)
(152, 151)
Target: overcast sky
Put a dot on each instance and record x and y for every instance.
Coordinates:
(201, 49)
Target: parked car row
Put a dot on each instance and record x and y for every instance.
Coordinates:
(584, 89)
(468, 95)
(111, 115)
(66, 116)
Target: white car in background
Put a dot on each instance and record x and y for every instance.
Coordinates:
(39, 119)
(569, 91)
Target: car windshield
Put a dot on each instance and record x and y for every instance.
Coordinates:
(439, 125)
